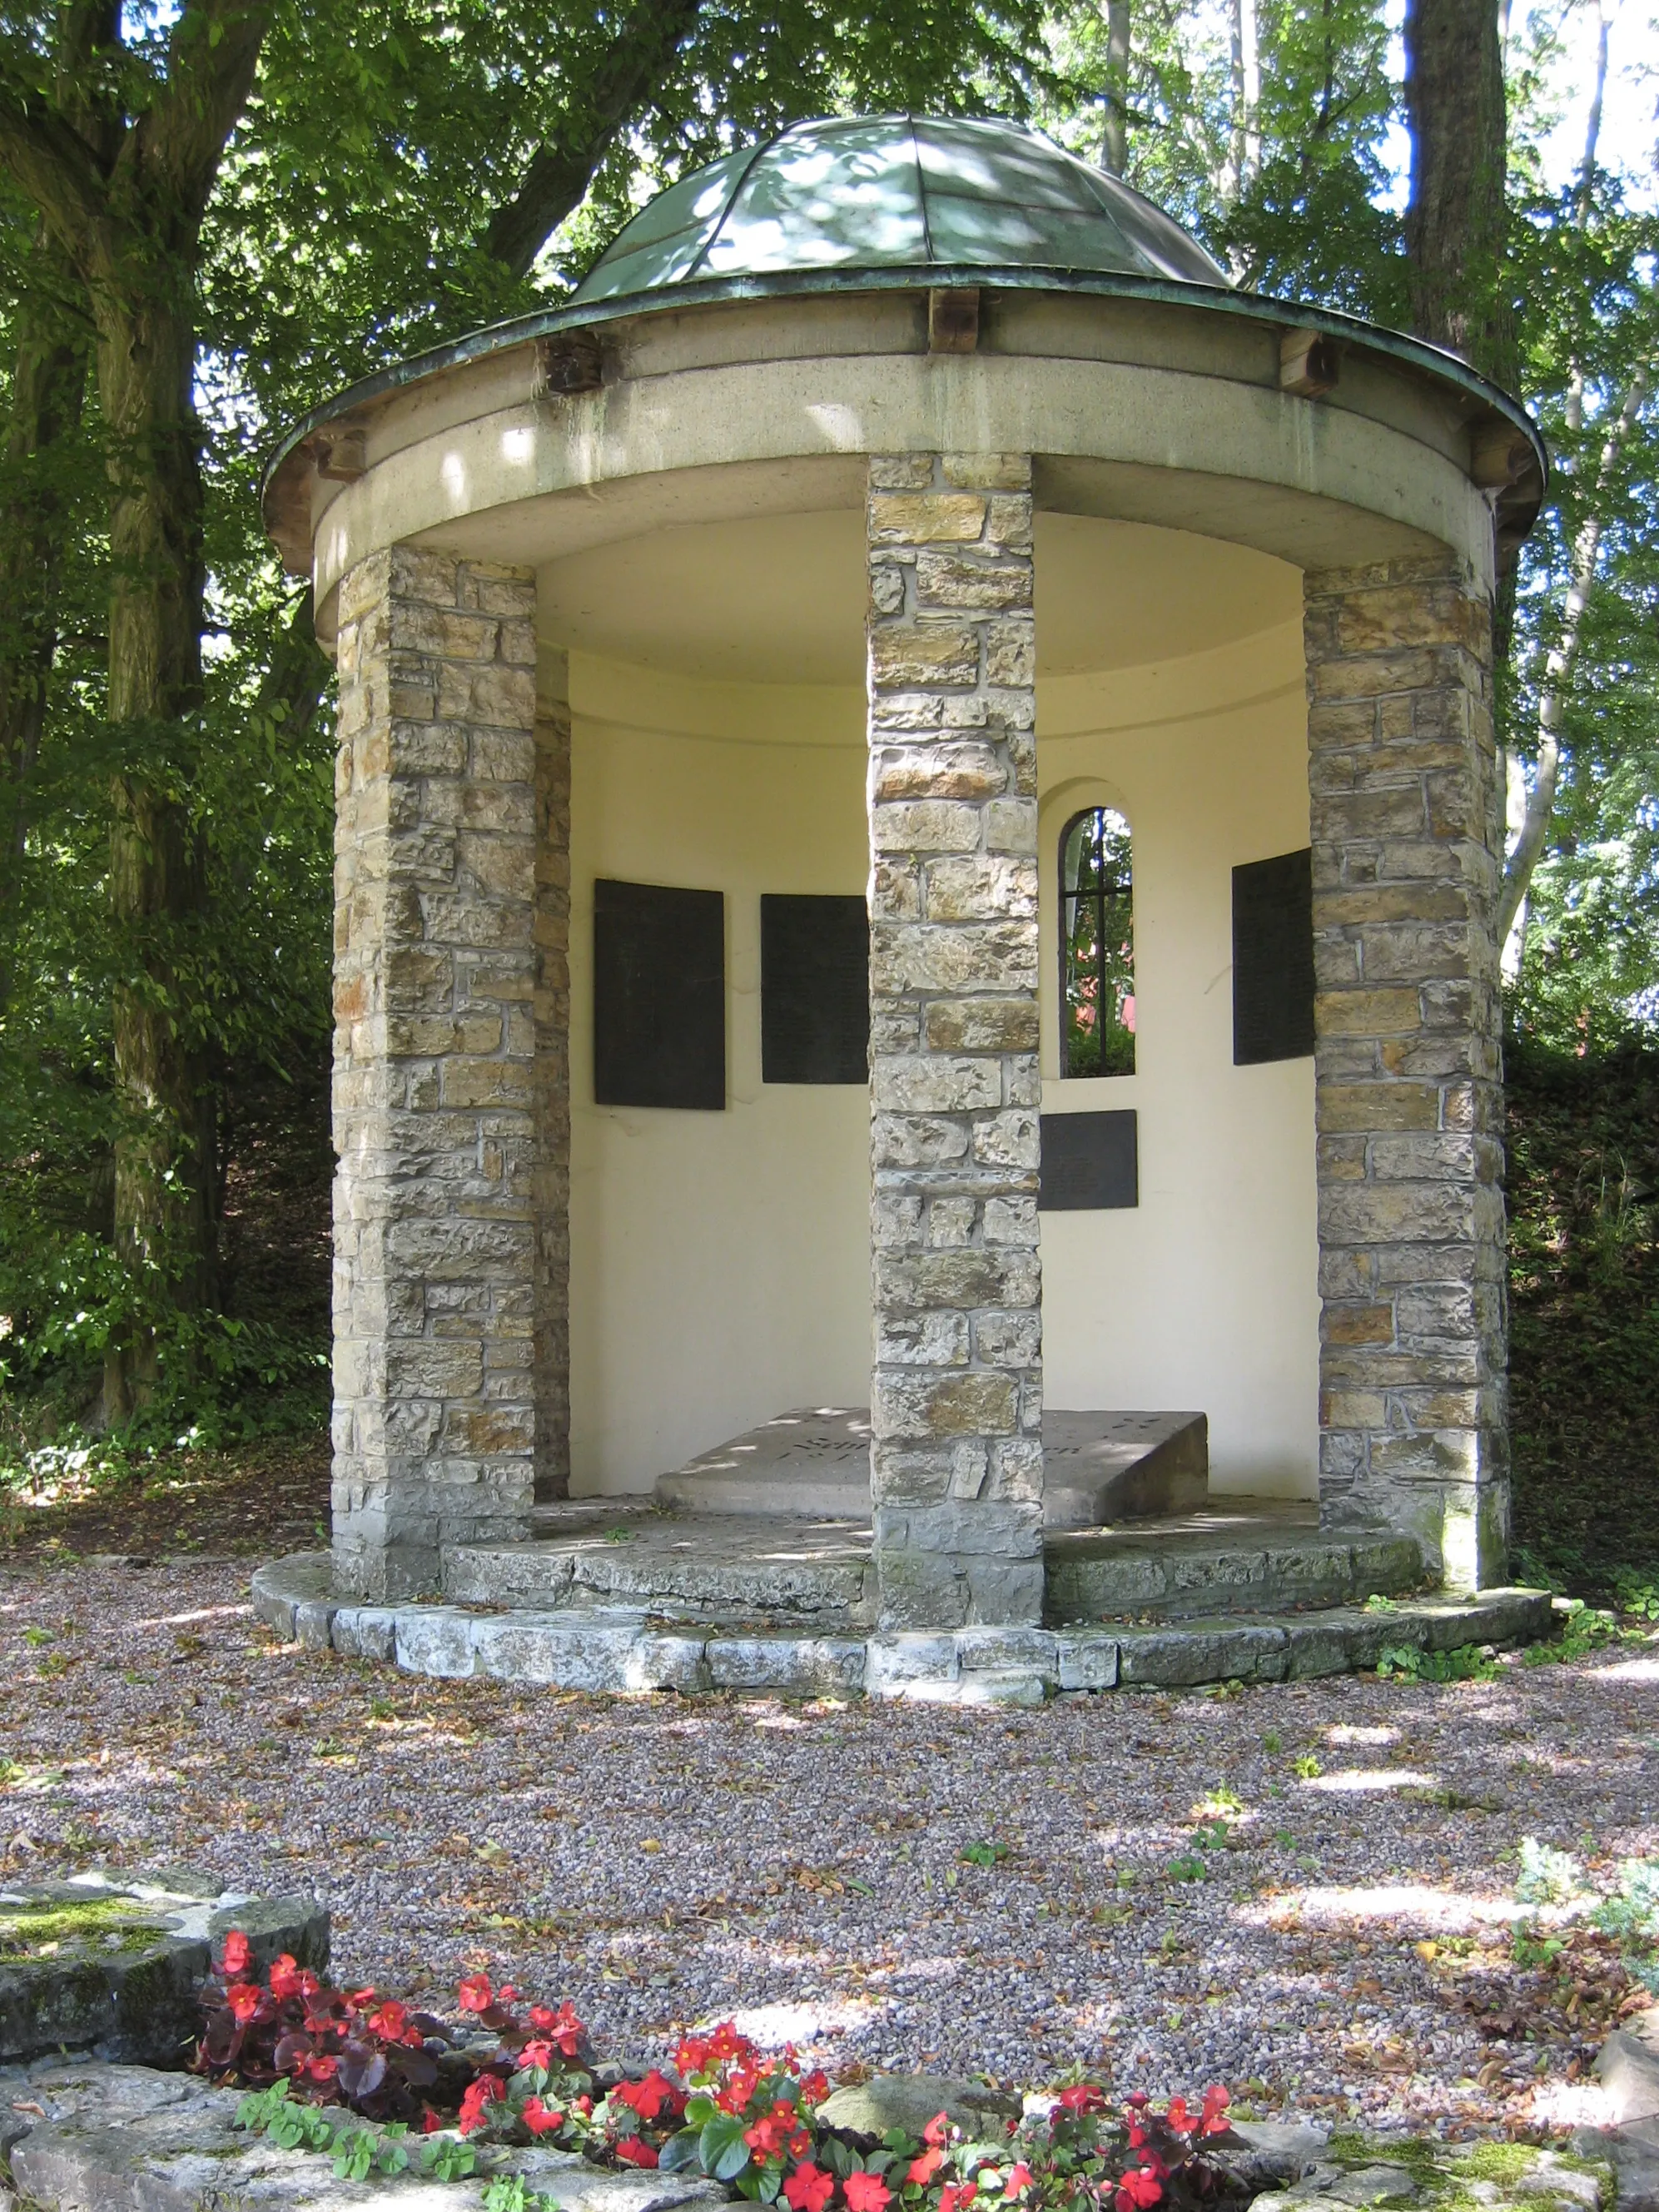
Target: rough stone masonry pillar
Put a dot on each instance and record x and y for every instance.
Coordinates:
(1407, 854)
(443, 1120)
(956, 1390)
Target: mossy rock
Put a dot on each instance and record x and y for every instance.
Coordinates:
(115, 1964)
(1429, 2175)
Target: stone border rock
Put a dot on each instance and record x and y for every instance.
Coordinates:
(142, 2004)
(86, 2137)
(614, 1648)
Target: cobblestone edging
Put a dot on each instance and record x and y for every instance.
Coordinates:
(611, 1648)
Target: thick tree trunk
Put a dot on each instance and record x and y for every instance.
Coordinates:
(1456, 223)
(164, 1164)
(1114, 138)
(47, 385)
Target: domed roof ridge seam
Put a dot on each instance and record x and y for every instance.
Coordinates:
(761, 146)
(921, 188)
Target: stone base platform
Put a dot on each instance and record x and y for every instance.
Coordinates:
(769, 1570)
(601, 1645)
(1098, 1467)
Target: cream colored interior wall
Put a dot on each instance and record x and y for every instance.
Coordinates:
(1205, 1294)
(719, 1263)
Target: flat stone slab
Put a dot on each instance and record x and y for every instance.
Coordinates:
(113, 1964)
(122, 2139)
(622, 1648)
(764, 1565)
(815, 1461)
(1221, 1560)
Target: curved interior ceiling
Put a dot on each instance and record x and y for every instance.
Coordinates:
(781, 598)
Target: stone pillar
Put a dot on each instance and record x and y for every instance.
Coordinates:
(1406, 855)
(956, 1390)
(439, 918)
(552, 1081)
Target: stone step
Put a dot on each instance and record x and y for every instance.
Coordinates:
(586, 1555)
(815, 1460)
(1219, 1564)
(1241, 1556)
(618, 1649)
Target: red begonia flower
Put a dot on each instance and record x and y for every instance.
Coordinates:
(430, 2124)
(921, 2170)
(475, 1994)
(866, 2192)
(536, 2053)
(814, 2088)
(1212, 2120)
(646, 2097)
(1141, 2188)
(538, 2118)
(633, 2151)
(808, 2189)
(485, 2090)
(1018, 2180)
(284, 1979)
(243, 2000)
(239, 1954)
(1084, 2097)
(390, 2021)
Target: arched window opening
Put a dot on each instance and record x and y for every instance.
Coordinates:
(1097, 945)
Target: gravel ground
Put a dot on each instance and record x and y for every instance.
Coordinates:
(664, 1861)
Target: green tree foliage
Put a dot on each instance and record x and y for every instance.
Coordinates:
(402, 171)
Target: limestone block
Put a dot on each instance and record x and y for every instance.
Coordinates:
(558, 1648)
(1001, 1686)
(365, 1631)
(1177, 1658)
(1085, 1661)
(799, 1666)
(435, 1640)
(1008, 1650)
(895, 1664)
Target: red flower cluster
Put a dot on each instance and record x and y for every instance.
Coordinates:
(745, 2117)
(355, 2047)
(1164, 2143)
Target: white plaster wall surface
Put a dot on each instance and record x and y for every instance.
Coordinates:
(719, 1263)
(1205, 1294)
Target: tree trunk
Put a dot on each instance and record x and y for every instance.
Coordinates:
(164, 1161)
(1115, 136)
(48, 383)
(1456, 223)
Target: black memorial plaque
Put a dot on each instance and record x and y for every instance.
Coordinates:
(658, 996)
(1274, 959)
(1091, 1162)
(815, 989)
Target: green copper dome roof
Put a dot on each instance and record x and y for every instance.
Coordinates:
(894, 191)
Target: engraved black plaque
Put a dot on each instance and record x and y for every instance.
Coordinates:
(658, 996)
(1091, 1162)
(1272, 959)
(815, 989)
